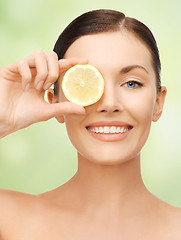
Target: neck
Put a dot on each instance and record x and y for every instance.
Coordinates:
(103, 187)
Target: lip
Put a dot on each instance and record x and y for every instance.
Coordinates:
(110, 137)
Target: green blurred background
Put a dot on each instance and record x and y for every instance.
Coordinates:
(41, 157)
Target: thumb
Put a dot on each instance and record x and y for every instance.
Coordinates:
(58, 109)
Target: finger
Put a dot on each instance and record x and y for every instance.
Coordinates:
(38, 60)
(65, 64)
(8, 72)
(13, 72)
(25, 73)
(53, 69)
(63, 108)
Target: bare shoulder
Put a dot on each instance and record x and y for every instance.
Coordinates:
(13, 206)
(172, 217)
(9, 199)
(174, 214)
(12, 201)
(175, 221)
(23, 215)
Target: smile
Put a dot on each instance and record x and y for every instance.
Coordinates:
(109, 129)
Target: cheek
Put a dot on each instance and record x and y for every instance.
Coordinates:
(141, 109)
(141, 106)
(74, 129)
(70, 125)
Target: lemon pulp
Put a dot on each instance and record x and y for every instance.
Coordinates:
(83, 84)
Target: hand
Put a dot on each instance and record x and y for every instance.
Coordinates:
(22, 89)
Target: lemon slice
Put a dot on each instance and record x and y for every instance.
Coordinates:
(83, 84)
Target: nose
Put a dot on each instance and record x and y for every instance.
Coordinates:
(109, 101)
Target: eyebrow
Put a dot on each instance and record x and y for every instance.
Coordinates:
(132, 67)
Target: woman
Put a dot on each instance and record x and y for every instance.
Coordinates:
(106, 198)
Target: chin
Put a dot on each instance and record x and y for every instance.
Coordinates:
(108, 158)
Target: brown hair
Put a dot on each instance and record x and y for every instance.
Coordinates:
(98, 21)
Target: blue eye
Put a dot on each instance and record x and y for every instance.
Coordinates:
(133, 84)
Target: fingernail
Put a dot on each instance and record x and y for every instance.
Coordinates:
(39, 85)
(27, 87)
(47, 85)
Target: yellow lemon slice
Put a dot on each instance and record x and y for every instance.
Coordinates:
(83, 84)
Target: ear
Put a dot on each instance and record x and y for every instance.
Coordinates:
(160, 99)
(53, 100)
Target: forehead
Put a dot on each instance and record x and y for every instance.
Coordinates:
(111, 50)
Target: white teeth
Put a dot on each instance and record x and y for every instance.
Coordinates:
(101, 129)
(106, 129)
(124, 130)
(97, 129)
(118, 129)
(111, 129)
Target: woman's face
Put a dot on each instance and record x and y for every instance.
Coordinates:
(115, 128)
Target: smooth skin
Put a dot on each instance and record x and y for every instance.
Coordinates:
(106, 198)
